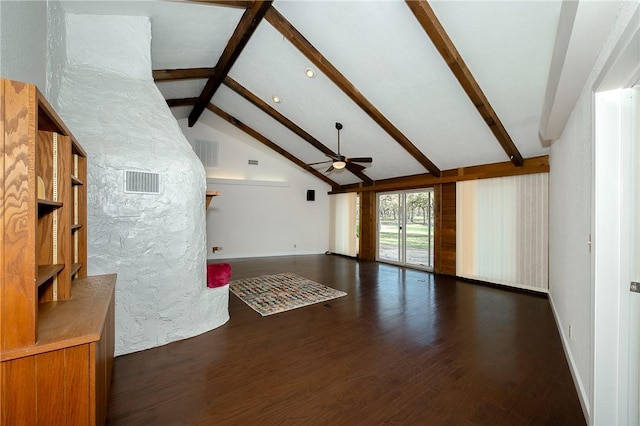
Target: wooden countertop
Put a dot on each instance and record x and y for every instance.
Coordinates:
(71, 322)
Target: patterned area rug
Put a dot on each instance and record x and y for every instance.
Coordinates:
(271, 294)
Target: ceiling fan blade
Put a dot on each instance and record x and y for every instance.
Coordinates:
(333, 157)
(330, 169)
(319, 162)
(355, 168)
(360, 160)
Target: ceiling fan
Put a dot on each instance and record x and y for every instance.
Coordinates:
(339, 161)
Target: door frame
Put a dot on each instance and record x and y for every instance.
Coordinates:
(615, 352)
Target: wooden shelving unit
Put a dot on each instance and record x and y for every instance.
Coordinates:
(51, 314)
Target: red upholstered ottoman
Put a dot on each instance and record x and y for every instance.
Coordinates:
(218, 274)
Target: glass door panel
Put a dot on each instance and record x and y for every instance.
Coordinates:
(419, 228)
(389, 227)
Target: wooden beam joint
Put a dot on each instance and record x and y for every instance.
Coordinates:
(241, 35)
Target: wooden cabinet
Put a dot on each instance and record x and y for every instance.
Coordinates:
(56, 324)
(64, 378)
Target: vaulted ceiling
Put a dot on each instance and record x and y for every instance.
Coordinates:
(422, 87)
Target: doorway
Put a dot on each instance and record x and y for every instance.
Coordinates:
(406, 228)
(634, 265)
(615, 269)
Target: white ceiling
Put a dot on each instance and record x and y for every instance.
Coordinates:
(381, 48)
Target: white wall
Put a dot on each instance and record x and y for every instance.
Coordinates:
(56, 47)
(155, 243)
(570, 225)
(262, 210)
(23, 41)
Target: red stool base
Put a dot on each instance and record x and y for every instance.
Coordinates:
(218, 274)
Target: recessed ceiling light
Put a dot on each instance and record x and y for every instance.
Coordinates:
(310, 73)
(275, 99)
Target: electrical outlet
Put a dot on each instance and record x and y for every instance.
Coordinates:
(295, 245)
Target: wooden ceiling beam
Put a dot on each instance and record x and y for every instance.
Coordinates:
(280, 23)
(440, 39)
(238, 4)
(181, 102)
(182, 74)
(264, 140)
(273, 113)
(250, 20)
(484, 171)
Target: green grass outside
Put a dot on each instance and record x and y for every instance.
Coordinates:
(417, 235)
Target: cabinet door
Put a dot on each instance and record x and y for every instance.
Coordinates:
(51, 388)
(78, 385)
(18, 405)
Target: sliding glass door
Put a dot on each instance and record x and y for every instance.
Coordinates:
(389, 227)
(406, 228)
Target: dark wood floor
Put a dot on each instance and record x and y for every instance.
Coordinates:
(403, 347)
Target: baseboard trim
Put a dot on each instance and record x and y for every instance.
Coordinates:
(582, 394)
(508, 287)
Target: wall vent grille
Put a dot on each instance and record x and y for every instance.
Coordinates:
(141, 182)
(253, 162)
(207, 151)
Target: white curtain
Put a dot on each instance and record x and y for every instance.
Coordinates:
(502, 230)
(343, 224)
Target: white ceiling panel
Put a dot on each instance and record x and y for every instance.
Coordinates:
(181, 112)
(383, 51)
(179, 89)
(191, 36)
(381, 48)
(250, 115)
(238, 107)
(507, 45)
(183, 35)
(270, 65)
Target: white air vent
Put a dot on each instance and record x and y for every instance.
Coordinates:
(253, 162)
(207, 152)
(141, 182)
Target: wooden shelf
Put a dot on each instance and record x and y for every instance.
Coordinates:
(46, 272)
(209, 197)
(48, 204)
(75, 268)
(71, 322)
(75, 181)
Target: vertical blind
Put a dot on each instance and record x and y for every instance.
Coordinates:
(343, 224)
(502, 230)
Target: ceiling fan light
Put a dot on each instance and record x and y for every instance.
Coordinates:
(339, 165)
